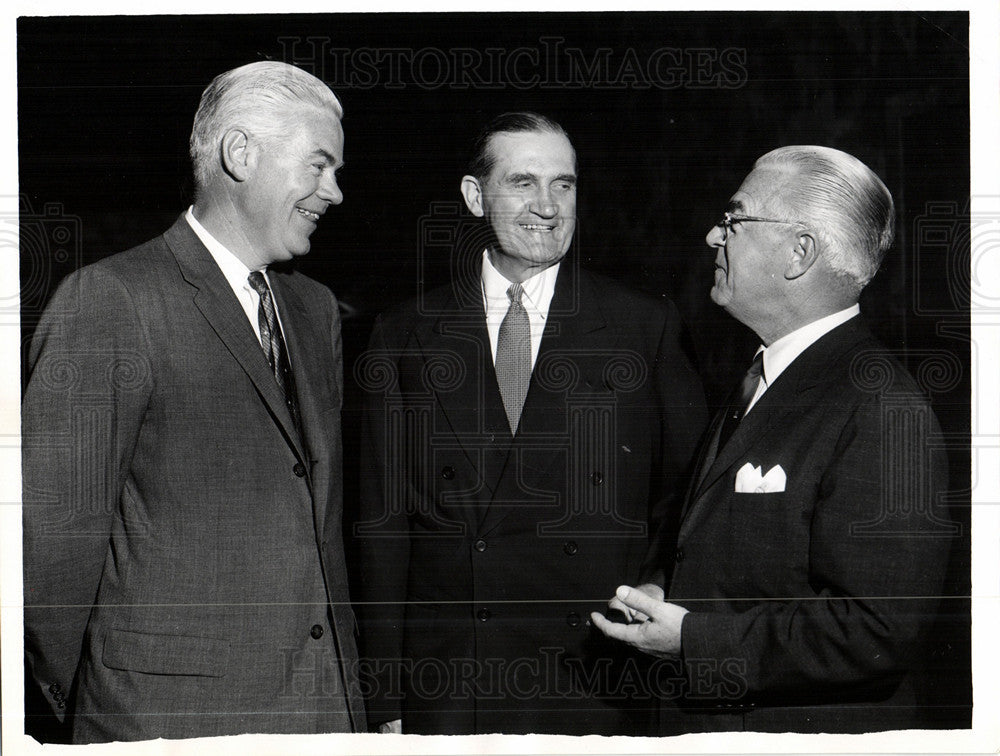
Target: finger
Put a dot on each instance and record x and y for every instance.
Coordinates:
(652, 590)
(612, 629)
(638, 601)
(616, 605)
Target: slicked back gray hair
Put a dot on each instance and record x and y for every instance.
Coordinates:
(259, 97)
(851, 206)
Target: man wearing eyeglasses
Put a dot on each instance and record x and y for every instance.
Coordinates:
(802, 580)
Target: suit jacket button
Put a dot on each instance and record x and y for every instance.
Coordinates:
(573, 619)
(61, 704)
(484, 615)
(679, 555)
(299, 470)
(316, 631)
(480, 545)
(596, 478)
(570, 548)
(448, 472)
(55, 688)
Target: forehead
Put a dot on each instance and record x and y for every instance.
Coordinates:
(763, 189)
(532, 151)
(316, 129)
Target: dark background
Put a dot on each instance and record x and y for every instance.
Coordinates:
(105, 107)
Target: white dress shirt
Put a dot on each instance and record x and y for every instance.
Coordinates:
(237, 274)
(538, 291)
(783, 352)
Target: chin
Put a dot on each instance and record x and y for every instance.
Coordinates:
(298, 251)
(550, 255)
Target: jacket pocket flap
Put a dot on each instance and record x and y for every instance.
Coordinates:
(162, 654)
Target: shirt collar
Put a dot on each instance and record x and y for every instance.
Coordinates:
(783, 352)
(235, 271)
(538, 289)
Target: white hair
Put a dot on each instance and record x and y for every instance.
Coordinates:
(851, 207)
(258, 97)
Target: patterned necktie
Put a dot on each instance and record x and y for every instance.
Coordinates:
(737, 409)
(272, 343)
(514, 357)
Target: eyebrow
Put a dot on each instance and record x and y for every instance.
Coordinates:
(320, 152)
(735, 206)
(516, 177)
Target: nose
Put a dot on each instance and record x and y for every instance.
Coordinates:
(543, 205)
(715, 237)
(329, 190)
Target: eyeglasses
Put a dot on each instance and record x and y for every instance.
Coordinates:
(730, 219)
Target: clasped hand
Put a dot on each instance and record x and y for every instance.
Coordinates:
(654, 625)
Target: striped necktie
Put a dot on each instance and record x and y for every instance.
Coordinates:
(272, 343)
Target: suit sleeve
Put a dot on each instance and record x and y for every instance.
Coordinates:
(382, 534)
(874, 586)
(88, 384)
(683, 417)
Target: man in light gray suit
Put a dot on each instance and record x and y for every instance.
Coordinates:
(183, 557)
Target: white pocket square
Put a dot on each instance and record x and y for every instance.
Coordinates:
(750, 480)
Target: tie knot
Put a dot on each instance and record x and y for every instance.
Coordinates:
(514, 293)
(258, 283)
(757, 366)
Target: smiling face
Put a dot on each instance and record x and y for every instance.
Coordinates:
(750, 264)
(291, 183)
(529, 200)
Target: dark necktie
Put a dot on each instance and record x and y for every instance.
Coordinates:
(737, 409)
(272, 343)
(513, 362)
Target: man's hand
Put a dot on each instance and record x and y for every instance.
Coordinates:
(659, 635)
(652, 590)
(395, 727)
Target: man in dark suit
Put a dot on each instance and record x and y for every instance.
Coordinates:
(183, 556)
(811, 547)
(525, 426)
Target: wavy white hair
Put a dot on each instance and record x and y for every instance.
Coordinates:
(260, 97)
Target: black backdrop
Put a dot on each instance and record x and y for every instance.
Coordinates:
(667, 111)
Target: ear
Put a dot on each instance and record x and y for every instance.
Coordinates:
(472, 192)
(803, 255)
(238, 158)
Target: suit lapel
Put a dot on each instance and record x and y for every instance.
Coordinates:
(792, 389)
(215, 298)
(472, 407)
(305, 348)
(574, 316)
(774, 403)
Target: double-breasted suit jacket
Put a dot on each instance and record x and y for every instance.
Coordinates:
(483, 552)
(183, 557)
(808, 604)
